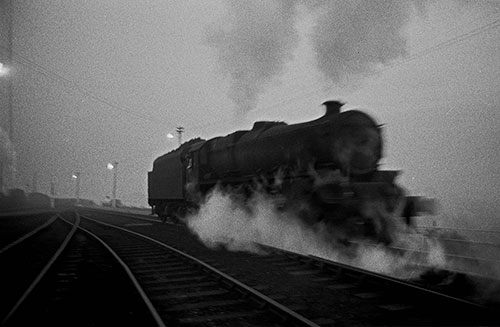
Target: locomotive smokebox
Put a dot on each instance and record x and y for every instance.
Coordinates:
(332, 107)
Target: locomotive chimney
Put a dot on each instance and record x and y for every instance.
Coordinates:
(332, 107)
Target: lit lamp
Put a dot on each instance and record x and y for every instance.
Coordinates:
(114, 167)
(3, 69)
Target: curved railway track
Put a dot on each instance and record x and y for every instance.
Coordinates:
(25, 257)
(135, 278)
(186, 290)
(60, 274)
(381, 299)
(177, 289)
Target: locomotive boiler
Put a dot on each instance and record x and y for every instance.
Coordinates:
(323, 171)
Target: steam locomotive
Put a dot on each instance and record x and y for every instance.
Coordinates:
(323, 171)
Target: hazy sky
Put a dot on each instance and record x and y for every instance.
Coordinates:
(104, 81)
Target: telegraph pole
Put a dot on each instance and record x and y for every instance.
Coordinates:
(52, 192)
(76, 176)
(6, 63)
(8, 7)
(34, 183)
(115, 173)
(1, 175)
(114, 167)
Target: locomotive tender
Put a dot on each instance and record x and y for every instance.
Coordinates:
(325, 170)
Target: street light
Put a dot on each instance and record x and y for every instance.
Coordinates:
(4, 69)
(114, 166)
(76, 176)
(179, 131)
(52, 192)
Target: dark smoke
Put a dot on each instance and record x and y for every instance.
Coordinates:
(254, 42)
(350, 38)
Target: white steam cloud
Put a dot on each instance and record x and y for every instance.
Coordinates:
(224, 221)
(350, 38)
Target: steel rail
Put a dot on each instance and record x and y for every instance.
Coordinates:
(431, 228)
(28, 235)
(135, 215)
(281, 308)
(424, 235)
(43, 271)
(466, 241)
(396, 281)
(26, 212)
(376, 276)
(129, 273)
(450, 255)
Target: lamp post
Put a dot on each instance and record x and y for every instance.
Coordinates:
(3, 166)
(179, 131)
(52, 192)
(76, 176)
(114, 166)
(7, 8)
(5, 71)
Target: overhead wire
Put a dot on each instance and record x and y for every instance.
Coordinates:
(439, 46)
(98, 98)
(427, 51)
(445, 44)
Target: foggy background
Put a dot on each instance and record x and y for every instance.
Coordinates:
(103, 81)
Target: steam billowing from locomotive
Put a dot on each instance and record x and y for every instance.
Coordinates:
(256, 39)
(224, 221)
(349, 40)
(322, 173)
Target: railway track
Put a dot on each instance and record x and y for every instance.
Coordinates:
(381, 300)
(25, 256)
(175, 288)
(188, 291)
(59, 274)
(225, 289)
(386, 292)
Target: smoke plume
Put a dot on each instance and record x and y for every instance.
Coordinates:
(350, 38)
(254, 43)
(353, 38)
